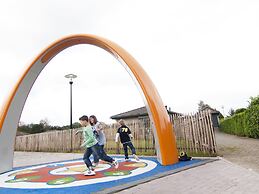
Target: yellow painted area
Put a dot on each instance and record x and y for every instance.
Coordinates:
(138, 164)
(81, 169)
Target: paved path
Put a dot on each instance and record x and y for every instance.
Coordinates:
(32, 158)
(216, 177)
(239, 150)
(237, 172)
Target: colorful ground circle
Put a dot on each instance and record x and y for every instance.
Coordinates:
(70, 174)
(67, 176)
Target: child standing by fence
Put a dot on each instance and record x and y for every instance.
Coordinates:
(125, 136)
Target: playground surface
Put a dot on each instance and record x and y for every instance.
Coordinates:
(220, 176)
(66, 176)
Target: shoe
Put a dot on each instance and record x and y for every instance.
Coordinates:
(136, 157)
(95, 164)
(89, 173)
(127, 159)
(115, 164)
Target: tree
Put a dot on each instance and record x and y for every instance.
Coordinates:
(37, 128)
(43, 126)
(231, 112)
(202, 106)
(239, 110)
(32, 128)
(55, 128)
(76, 125)
(44, 122)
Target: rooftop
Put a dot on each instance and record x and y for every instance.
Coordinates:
(138, 112)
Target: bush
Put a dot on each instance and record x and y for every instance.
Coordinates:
(239, 110)
(245, 123)
(253, 117)
(236, 125)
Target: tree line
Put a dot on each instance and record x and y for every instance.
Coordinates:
(42, 126)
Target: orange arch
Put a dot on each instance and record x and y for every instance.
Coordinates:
(164, 135)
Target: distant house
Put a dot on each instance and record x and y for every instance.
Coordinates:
(138, 114)
(215, 115)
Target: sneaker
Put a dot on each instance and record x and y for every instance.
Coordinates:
(127, 159)
(95, 164)
(136, 157)
(89, 173)
(115, 164)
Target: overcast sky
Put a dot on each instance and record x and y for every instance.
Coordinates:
(192, 50)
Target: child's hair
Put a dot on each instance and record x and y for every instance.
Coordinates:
(121, 121)
(83, 118)
(95, 119)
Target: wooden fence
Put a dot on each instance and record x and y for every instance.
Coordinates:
(194, 133)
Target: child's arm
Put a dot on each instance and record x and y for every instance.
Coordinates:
(117, 137)
(78, 130)
(99, 127)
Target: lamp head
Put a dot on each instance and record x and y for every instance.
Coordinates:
(70, 76)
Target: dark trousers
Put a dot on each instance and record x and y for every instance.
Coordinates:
(125, 147)
(96, 150)
(102, 152)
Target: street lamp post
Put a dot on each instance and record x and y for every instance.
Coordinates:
(71, 77)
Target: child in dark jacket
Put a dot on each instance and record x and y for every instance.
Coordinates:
(125, 136)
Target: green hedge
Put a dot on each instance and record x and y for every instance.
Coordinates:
(236, 125)
(253, 117)
(245, 123)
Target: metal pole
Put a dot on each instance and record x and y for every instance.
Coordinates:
(71, 77)
(71, 117)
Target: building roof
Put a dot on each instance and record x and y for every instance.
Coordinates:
(138, 112)
(212, 111)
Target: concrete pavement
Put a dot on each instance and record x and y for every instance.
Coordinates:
(220, 176)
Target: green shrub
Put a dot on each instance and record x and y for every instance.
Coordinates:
(236, 124)
(239, 110)
(245, 123)
(253, 117)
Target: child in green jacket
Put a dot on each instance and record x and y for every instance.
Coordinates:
(91, 145)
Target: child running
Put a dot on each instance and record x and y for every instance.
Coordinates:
(97, 128)
(92, 146)
(125, 136)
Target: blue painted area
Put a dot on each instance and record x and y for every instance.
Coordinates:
(101, 186)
